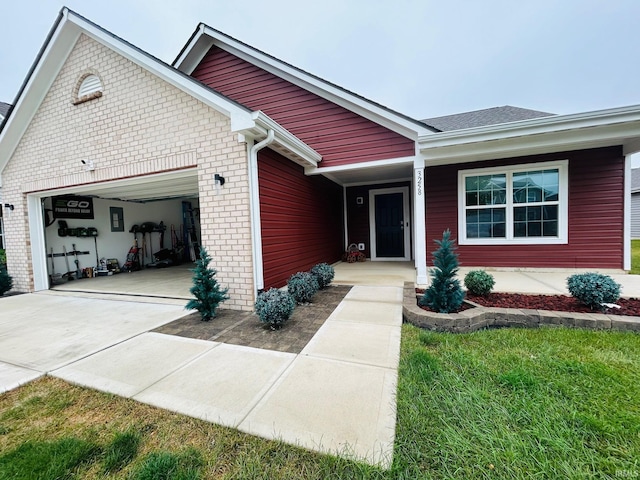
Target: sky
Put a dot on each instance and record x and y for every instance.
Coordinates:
(423, 58)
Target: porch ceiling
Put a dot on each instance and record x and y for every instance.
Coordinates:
(358, 175)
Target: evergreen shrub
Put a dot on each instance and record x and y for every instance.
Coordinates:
(324, 274)
(444, 295)
(274, 307)
(479, 282)
(206, 289)
(6, 282)
(593, 289)
(302, 286)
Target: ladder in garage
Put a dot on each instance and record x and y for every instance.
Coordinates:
(189, 233)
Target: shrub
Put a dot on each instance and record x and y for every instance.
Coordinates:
(274, 307)
(206, 289)
(302, 286)
(444, 295)
(6, 282)
(3, 256)
(324, 273)
(593, 289)
(479, 282)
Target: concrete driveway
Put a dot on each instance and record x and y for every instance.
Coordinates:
(41, 332)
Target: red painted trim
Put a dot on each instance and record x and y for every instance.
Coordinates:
(596, 214)
(339, 135)
(301, 218)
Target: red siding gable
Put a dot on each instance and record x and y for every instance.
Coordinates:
(339, 135)
(596, 206)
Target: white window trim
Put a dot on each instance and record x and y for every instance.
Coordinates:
(563, 207)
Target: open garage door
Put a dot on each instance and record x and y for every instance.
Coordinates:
(142, 233)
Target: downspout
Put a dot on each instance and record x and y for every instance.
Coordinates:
(254, 194)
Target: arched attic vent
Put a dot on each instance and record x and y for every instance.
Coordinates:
(89, 87)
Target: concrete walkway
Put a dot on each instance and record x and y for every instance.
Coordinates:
(337, 396)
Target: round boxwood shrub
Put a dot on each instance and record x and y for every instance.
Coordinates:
(593, 289)
(302, 286)
(6, 282)
(274, 307)
(479, 282)
(324, 273)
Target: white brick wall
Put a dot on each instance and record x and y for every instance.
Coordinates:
(141, 125)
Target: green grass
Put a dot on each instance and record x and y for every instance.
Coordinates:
(635, 257)
(504, 404)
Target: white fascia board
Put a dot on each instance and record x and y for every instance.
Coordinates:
(619, 126)
(44, 73)
(365, 108)
(213, 99)
(533, 127)
(55, 55)
(194, 51)
(286, 139)
(359, 166)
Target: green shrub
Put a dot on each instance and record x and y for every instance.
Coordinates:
(444, 295)
(6, 282)
(3, 256)
(274, 307)
(593, 289)
(479, 282)
(206, 289)
(302, 286)
(324, 273)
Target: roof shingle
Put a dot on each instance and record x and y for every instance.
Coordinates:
(480, 118)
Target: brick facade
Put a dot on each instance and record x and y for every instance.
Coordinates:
(140, 125)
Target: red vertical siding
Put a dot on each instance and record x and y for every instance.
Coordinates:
(596, 206)
(339, 135)
(301, 218)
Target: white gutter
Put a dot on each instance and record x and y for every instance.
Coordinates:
(556, 123)
(254, 194)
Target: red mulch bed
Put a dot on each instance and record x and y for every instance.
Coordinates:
(558, 303)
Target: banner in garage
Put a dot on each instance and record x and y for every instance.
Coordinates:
(72, 206)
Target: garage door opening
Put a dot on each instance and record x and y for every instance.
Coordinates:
(138, 236)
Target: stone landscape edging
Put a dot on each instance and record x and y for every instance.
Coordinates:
(482, 317)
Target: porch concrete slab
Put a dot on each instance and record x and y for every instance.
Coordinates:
(357, 342)
(374, 273)
(220, 386)
(375, 294)
(12, 376)
(331, 406)
(45, 332)
(362, 311)
(131, 366)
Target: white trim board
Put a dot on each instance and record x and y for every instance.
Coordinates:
(406, 228)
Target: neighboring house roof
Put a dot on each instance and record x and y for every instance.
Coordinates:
(4, 109)
(54, 52)
(635, 180)
(480, 118)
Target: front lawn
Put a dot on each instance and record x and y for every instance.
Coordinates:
(507, 403)
(635, 257)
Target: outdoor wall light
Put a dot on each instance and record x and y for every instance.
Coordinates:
(9, 206)
(219, 179)
(88, 165)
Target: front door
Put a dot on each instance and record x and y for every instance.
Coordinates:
(390, 224)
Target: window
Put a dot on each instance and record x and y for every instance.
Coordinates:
(513, 205)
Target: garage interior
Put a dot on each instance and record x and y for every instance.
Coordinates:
(89, 235)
